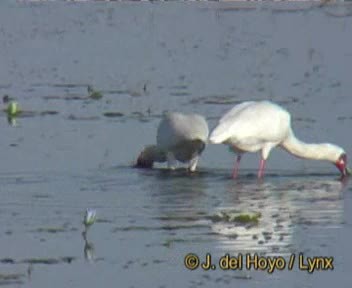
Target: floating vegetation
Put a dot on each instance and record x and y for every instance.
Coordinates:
(46, 261)
(222, 100)
(49, 261)
(94, 94)
(51, 230)
(237, 218)
(63, 85)
(82, 118)
(246, 218)
(66, 97)
(7, 261)
(217, 100)
(118, 92)
(158, 228)
(12, 111)
(134, 228)
(48, 112)
(113, 114)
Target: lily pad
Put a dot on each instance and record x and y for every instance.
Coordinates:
(247, 218)
(237, 218)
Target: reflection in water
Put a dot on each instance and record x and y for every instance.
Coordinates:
(273, 232)
(12, 120)
(192, 207)
(283, 206)
(182, 204)
(89, 251)
(179, 193)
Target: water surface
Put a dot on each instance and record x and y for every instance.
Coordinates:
(67, 152)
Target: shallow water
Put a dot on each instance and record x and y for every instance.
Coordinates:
(67, 152)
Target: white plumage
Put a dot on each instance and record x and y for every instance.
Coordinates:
(260, 126)
(180, 137)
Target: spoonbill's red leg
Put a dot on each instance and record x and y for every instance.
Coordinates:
(261, 168)
(236, 167)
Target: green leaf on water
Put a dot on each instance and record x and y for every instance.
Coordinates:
(94, 94)
(13, 109)
(239, 218)
(247, 218)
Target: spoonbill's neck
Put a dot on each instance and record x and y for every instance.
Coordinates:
(323, 151)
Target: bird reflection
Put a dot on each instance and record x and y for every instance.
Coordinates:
(208, 207)
(179, 192)
(282, 207)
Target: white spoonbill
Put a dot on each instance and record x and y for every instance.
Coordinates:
(260, 126)
(179, 137)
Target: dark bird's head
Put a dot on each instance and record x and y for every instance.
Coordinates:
(201, 144)
(148, 156)
(143, 161)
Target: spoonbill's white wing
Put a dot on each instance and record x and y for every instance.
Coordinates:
(235, 110)
(253, 123)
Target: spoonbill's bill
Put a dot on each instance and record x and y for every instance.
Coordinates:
(260, 126)
(179, 137)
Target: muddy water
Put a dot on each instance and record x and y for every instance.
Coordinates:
(67, 152)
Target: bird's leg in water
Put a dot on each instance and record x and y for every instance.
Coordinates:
(237, 166)
(171, 161)
(261, 168)
(193, 164)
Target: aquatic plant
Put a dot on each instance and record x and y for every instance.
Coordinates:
(243, 218)
(13, 109)
(247, 218)
(89, 217)
(94, 94)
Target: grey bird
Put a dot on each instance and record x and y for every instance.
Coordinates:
(180, 137)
